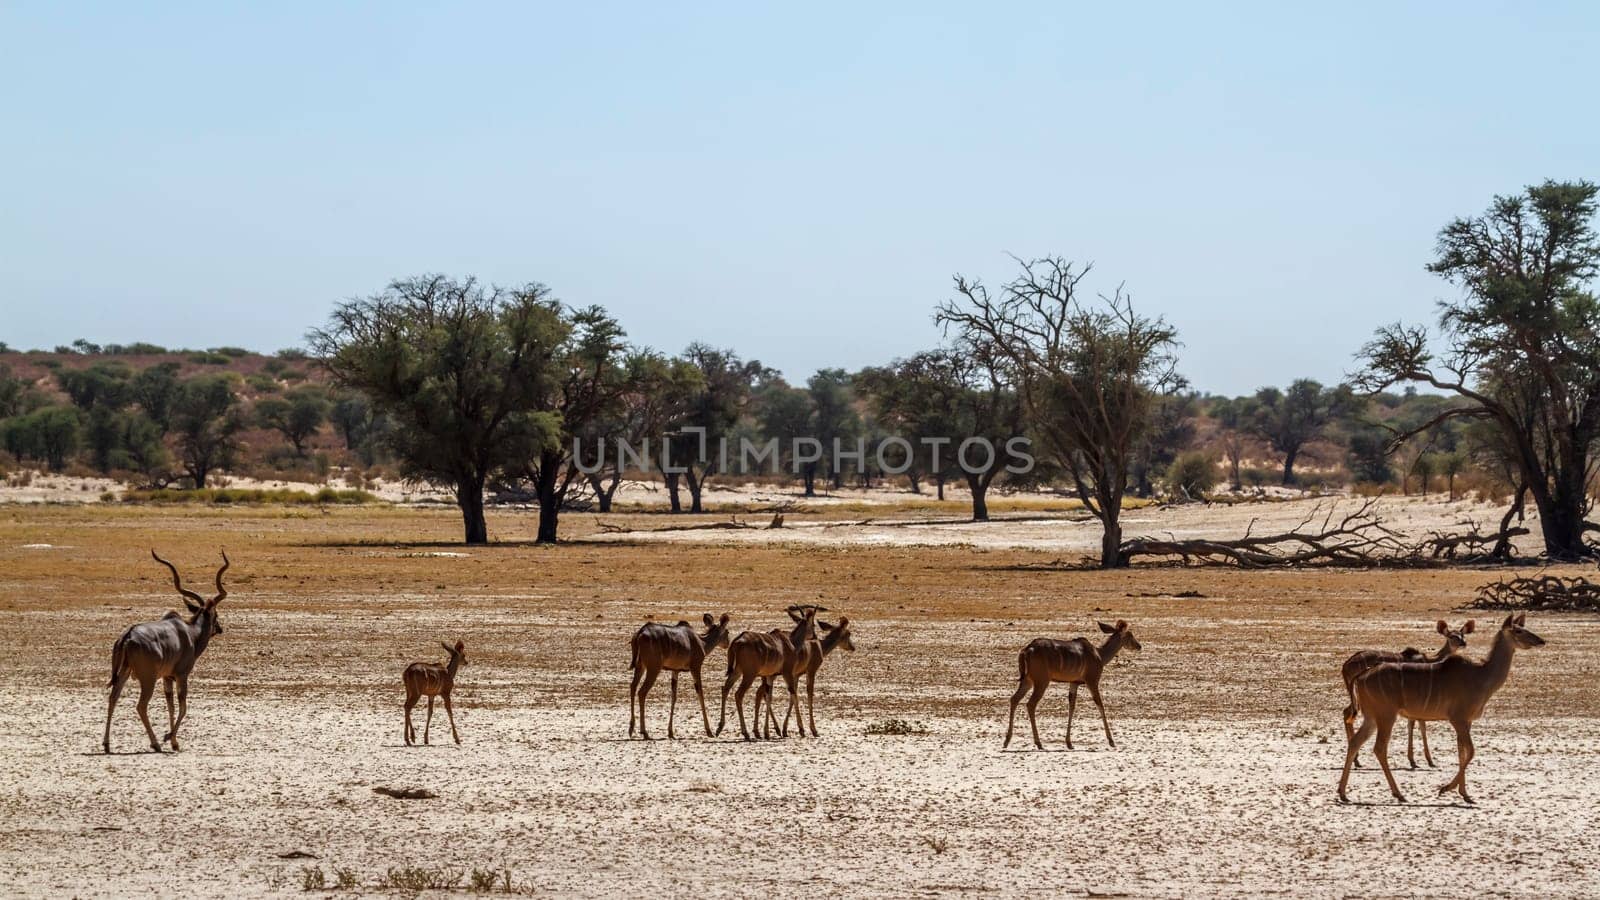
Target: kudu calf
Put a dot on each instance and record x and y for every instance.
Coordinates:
(675, 648)
(433, 680)
(1455, 640)
(753, 655)
(1454, 689)
(1076, 662)
(165, 649)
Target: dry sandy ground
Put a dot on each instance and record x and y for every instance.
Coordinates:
(1228, 741)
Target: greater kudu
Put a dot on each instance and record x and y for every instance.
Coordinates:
(1362, 660)
(834, 637)
(753, 655)
(433, 680)
(165, 649)
(1454, 689)
(675, 648)
(1074, 661)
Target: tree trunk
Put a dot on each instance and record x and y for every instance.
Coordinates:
(1288, 466)
(199, 473)
(671, 478)
(695, 485)
(938, 481)
(980, 502)
(601, 495)
(1111, 545)
(469, 496)
(549, 499)
(809, 476)
(914, 481)
(1561, 518)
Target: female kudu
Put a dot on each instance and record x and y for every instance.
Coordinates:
(1363, 660)
(753, 655)
(433, 680)
(676, 649)
(1454, 689)
(1076, 662)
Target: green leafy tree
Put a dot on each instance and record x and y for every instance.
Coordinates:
(1288, 420)
(465, 372)
(713, 410)
(49, 434)
(1522, 346)
(297, 415)
(206, 421)
(154, 389)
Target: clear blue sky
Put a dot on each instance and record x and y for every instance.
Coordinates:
(797, 182)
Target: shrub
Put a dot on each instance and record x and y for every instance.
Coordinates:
(1194, 473)
(230, 352)
(207, 358)
(225, 496)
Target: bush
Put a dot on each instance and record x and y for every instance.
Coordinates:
(208, 358)
(230, 352)
(1194, 473)
(227, 496)
(263, 384)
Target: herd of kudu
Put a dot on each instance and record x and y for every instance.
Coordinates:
(1381, 686)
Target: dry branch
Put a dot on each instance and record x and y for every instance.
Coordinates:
(1358, 539)
(1540, 593)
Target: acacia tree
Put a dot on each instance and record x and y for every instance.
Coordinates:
(206, 420)
(953, 394)
(1522, 346)
(1088, 377)
(713, 410)
(464, 371)
(1233, 417)
(1288, 420)
(654, 394)
(585, 391)
(297, 415)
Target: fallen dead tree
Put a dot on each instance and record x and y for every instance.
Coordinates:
(1358, 539)
(1547, 593)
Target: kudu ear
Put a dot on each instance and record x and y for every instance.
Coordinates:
(460, 647)
(725, 619)
(1108, 629)
(824, 626)
(1507, 623)
(794, 613)
(844, 621)
(1467, 628)
(447, 647)
(709, 621)
(1122, 624)
(1522, 619)
(1441, 627)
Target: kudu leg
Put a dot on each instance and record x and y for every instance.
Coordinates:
(183, 706)
(450, 711)
(1411, 742)
(1350, 718)
(410, 730)
(700, 692)
(1464, 754)
(793, 684)
(1352, 746)
(1427, 755)
(1011, 720)
(111, 707)
(1072, 707)
(672, 704)
(722, 712)
(644, 691)
(811, 701)
(1381, 748)
(633, 696)
(1094, 694)
(1033, 706)
(172, 716)
(146, 690)
(427, 724)
(738, 704)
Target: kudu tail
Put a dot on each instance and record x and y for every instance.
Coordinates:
(119, 659)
